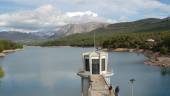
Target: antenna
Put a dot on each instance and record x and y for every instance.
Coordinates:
(94, 36)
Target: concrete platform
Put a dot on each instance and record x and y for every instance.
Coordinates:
(99, 87)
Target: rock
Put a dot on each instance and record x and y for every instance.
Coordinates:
(2, 54)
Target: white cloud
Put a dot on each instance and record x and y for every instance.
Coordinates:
(127, 7)
(102, 7)
(87, 13)
(45, 17)
(123, 19)
(76, 11)
(153, 16)
(148, 5)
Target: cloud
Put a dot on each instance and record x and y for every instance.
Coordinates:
(47, 14)
(45, 17)
(87, 13)
(123, 19)
(104, 8)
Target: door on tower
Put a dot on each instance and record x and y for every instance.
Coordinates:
(95, 66)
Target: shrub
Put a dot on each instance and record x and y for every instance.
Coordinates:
(163, 50)
(1, 72)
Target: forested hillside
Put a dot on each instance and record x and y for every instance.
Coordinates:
(7, 45)
(124, 35)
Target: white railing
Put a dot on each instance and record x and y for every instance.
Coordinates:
(110, 69)
(80, 70)
(89, 90)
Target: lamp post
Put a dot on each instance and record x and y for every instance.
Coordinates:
(132, 86)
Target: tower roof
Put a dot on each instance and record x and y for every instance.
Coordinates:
(95, 53)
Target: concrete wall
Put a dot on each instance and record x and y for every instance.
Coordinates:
(85, 85)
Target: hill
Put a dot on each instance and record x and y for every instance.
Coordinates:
(144, 25)
(60, 31)
(19, 36)
(8, 45)
(70, 29)
(126, 34)
(104, 33)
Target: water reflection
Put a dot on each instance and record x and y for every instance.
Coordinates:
(165, 71)
(40, 71)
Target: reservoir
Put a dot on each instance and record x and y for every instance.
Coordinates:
(52, 71)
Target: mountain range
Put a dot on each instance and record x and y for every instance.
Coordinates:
(19, 36)
(50, 35)
(144, 25)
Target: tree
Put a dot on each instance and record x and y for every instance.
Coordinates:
(1, 72)
(163, 50)
(7, 45)
(1, 48)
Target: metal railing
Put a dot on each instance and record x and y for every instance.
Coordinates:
(110, 69)
(80, 70)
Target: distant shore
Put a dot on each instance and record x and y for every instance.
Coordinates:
(123, 50)
(3, 53)
(154, 58)
(162, 61)
(157, 59)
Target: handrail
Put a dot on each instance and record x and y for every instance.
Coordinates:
(80, 70)
(110, 69)
(112, 92)
(89, 90)
(105, 81)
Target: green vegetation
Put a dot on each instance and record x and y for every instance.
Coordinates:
(116, 40)
(123, 35)
(8, 45)
(164, 50)
(1, 72)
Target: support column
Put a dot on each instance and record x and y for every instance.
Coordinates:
(81, 86)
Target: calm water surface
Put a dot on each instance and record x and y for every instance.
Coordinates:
(40, 71)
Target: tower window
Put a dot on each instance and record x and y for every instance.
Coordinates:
(95, 66)
(87, 66)
(95, 61)
(103, 64)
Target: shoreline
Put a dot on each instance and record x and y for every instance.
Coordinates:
(154, 58)
(11, 50)
(162, 61)
(157, 59)
(4, 52)
(124, 50)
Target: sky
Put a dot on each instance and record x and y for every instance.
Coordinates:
(40, 15)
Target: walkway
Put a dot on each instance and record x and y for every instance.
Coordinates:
(99, 87)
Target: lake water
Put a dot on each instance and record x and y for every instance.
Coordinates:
(52, 71)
